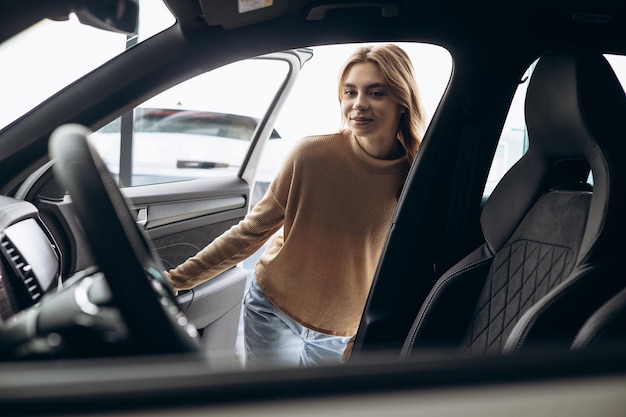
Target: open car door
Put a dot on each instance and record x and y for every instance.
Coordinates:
(212, 150)
(188, 161)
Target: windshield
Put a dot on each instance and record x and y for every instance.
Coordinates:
(51, 54)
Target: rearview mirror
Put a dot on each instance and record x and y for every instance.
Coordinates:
(112, 15)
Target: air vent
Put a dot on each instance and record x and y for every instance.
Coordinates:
(22, 269)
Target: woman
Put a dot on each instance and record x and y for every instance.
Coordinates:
(334, 199)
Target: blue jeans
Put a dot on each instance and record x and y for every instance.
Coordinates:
(272, 338)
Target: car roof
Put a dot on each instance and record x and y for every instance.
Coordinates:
(448, 21)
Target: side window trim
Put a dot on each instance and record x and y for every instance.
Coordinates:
(295, 59)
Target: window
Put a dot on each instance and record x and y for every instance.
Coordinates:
(514, 138)
(200, 128)
(59, 52)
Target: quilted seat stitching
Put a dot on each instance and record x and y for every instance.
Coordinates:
(553, 275)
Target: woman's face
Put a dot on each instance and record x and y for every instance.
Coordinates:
(367, 107)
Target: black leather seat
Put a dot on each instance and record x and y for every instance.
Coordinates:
(605, 327)
(551, 251)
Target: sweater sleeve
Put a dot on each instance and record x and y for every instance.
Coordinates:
(232, 247)
(243, 239)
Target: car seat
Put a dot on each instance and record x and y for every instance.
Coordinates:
(550, 253)
(606, 326)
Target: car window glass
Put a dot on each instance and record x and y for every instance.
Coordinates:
(59, 52)
(200, 128)
(618, 63)
(513, 141)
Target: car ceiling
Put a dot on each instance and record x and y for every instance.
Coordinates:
(549, 20)
(545, 20)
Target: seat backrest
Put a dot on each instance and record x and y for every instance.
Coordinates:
(547, 235)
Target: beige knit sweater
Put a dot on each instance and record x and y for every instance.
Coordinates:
(334, 203)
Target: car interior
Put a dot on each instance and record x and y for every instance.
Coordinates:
(542, 270)
(486, 301)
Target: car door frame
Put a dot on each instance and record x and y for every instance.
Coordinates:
(209, 207)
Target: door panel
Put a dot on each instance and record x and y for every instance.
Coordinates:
(181, 219)
(213, 307)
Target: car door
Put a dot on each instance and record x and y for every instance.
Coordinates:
(187, 161)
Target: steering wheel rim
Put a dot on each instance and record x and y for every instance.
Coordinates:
(122, 251)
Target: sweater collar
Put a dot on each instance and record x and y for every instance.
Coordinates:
(368, 162)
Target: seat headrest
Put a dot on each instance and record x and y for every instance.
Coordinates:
(575, 111)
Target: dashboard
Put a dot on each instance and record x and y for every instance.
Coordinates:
(30, 259)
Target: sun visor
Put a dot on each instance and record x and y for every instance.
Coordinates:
(231, 14)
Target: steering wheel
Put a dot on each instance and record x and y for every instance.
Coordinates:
(122, 251)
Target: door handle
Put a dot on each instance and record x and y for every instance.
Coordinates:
(142, 216)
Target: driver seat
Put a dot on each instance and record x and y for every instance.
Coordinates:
(550, 255)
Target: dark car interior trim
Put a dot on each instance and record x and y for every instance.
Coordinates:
(437, 224)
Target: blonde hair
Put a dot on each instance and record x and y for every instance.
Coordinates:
(398, 74)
